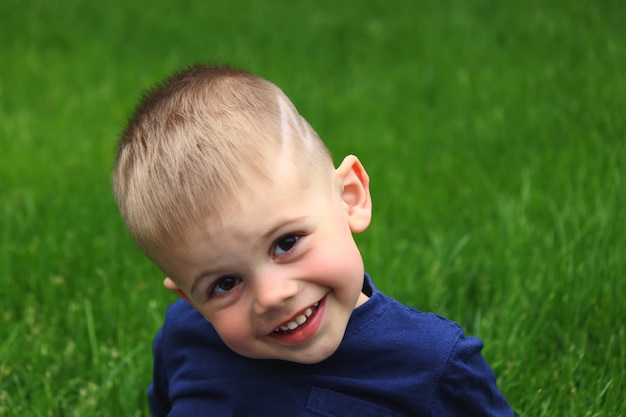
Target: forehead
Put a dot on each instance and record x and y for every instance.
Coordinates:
(285, 186)
(282, 184)
(256, 213)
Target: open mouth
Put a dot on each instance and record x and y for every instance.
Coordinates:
(298, 321)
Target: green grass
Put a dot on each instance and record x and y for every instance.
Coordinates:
(494, 133)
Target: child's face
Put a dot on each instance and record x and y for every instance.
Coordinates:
(279, 278)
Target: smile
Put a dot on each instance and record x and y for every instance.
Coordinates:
(298, 321)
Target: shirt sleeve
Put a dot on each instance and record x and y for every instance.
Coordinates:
(468, 384)
(158, 393)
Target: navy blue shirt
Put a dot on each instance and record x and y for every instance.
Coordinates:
(393, 361)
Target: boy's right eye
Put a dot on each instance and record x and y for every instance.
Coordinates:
(224, 285)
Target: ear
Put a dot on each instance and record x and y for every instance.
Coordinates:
(172, 286)
(355, 192)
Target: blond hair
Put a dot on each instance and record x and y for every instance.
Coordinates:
(193, 143)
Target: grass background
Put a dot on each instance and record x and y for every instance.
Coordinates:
(494, 133)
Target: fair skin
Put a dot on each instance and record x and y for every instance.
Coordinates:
(280, 275)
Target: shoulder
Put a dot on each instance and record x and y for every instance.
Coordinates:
(383, 309)
(417, 342)
(187, 348)
(467, 384)
(181, 317)
(405, 325)
(185, 332)
(435, 355)
(463, 381)
(188, 355)
(442, 343)
(180, 312)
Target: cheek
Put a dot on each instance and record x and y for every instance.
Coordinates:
(335, 260)
(234, 330)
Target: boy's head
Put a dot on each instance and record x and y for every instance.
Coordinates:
(234, 196)
(196, 140)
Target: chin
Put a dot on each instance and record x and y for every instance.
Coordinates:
(317, 355)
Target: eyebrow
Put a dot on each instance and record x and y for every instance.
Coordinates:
(264, 237)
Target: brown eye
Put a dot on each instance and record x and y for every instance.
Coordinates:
(285, 244)
(225, 284)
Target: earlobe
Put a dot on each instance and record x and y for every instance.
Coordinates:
(355, 193)
(172, 286)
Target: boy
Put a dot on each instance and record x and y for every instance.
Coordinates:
(232, 194)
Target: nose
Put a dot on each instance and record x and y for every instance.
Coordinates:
(272, 289)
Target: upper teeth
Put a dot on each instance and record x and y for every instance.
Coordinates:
(297, 321)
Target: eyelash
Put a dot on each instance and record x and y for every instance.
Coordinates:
(212, 291)
(283, 239)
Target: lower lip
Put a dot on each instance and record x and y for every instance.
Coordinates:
(304, 332)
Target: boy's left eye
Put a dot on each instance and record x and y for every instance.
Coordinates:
(285, 244)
